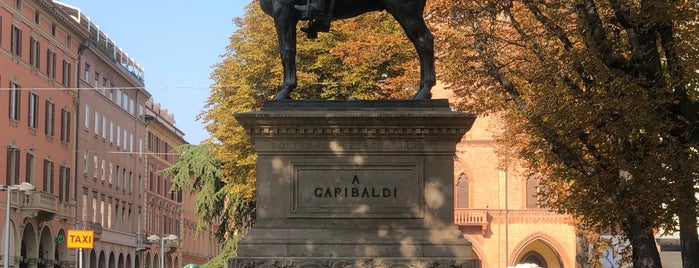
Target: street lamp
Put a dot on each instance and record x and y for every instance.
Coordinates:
(25, 186)
(153, 238)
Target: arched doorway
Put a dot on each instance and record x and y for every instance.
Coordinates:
(13, 242)
(156, 261)
(102, 260)
(540, 253)
(29, 248)
(112, 262)
(120, 261)
(61, 252)
(148, 263)
(46, 251)
(93, 259)
(137, 262)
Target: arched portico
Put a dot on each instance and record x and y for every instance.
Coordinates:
(29, 249)
(46, 251)
(61, 254)
(538, 251)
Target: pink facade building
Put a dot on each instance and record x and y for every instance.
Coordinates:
(79, 125)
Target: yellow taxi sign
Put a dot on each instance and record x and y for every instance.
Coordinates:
(80, 238)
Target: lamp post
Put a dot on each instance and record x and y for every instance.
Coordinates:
(153, 238)
(25, 186)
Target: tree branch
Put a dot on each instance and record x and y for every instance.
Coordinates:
(587, 11)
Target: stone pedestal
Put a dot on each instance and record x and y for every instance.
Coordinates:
(355, 184)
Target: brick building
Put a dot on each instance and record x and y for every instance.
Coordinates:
(38, 54)
(496, 208)
(77, 127)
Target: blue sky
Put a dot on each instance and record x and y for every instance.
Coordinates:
(176, 42)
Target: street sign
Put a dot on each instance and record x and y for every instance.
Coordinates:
(80, 238)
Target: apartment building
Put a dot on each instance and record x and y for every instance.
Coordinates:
(171, 212)
(163, 206)
(38, 56)
(111, 135)
(77, 128)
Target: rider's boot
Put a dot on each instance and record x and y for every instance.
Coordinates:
(316, 26)
(314, 10)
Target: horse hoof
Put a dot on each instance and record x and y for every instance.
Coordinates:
(282, 96)
(422, 95)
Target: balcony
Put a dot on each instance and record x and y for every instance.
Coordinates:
(471, 217)
(141, 242)
(37, 203)
(172, 244)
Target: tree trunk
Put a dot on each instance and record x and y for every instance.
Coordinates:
(689, 242)
(644, 251)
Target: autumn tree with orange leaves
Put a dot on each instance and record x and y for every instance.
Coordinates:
(599, 97)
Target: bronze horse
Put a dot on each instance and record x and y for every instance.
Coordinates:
(408, 13)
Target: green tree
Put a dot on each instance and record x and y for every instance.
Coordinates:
(598, 96)
(215, 202)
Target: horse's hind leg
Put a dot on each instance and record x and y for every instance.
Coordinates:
(409, 16)
(285, 25)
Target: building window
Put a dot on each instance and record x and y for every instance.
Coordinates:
(97, 79)
(53, 29)
(94, 207)
(48, 176)
(33, 110)
(86, 161)
(51, 63)
(34, 48)
(97, 123)
(65, 126)
(95, 168)
(532, 192)
(111, 173)
(64, 184)
(83, 217)
(30, 167)
(16, 45)
(117, 177)
(66, 73)
(37, 17)
(87, 72)
(104, 127)
(12, 176)
(462, 189)
(18, 4)
(103, 170)
(49, 119)
(14, 101)
(102, 210)
(118, 136)
(87, 116)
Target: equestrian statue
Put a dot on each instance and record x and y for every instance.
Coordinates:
(320, 13)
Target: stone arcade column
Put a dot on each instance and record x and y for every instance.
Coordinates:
(355, 184)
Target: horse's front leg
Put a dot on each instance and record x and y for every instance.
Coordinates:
(409, 16)
(285, 24)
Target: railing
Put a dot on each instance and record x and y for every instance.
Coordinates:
(173, 244)
(471, 217)
(39, 203)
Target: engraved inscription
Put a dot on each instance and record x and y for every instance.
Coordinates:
(365, 191)
(356, 191)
